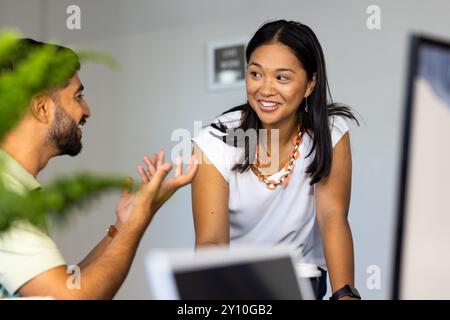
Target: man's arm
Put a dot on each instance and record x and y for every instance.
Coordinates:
(98, 251)
(101, 279)
(123, 212)
(107, 266)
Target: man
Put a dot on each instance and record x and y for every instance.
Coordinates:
(30, 263)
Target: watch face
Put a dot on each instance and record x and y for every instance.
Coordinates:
(354, 292)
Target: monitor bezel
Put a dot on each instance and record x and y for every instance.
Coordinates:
(416, 42)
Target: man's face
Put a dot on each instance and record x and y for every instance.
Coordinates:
(71, 112)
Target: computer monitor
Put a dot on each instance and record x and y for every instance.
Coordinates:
(223, 273)
(422, 260)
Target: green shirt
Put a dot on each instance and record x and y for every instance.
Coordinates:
(25, 250)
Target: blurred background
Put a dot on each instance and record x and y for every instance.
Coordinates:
(163, 85)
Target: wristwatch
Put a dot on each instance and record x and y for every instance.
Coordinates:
(347, 290)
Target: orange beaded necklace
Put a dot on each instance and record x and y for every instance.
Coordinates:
(288, 167)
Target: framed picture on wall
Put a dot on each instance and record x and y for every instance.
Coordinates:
(226, 64)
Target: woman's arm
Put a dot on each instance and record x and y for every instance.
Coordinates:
(332, 203)
(209, 204)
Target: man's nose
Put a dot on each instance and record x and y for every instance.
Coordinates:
(86, 110)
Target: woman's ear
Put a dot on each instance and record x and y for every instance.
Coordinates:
(41, 106)
(311, 85)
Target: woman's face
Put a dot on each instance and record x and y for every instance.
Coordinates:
(276, 84)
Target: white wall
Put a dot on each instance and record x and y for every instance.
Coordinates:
(162, 86)
(24, 15)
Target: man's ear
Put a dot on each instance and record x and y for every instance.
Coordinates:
(311, 85)
(41, 107)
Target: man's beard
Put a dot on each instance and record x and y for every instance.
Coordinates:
(64, 134)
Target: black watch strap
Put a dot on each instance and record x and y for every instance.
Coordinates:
(345, 291)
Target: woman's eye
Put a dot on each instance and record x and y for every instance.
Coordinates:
(283, 78)
(255, 74)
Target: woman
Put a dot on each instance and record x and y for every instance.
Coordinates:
(291, 186)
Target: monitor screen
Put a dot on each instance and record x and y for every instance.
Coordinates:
(224, 273)
(267, 279)
(422, 262)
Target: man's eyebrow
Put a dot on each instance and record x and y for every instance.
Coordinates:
(279, 69)
(80, 88)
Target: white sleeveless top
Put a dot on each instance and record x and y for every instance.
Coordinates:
(257, 215)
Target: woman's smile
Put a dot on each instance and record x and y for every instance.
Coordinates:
(268, 106)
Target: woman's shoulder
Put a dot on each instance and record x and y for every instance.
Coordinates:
(212, 142)
(230, 120)
(216, 130)
(339, 125)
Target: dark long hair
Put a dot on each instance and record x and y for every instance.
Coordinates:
(305, 45)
